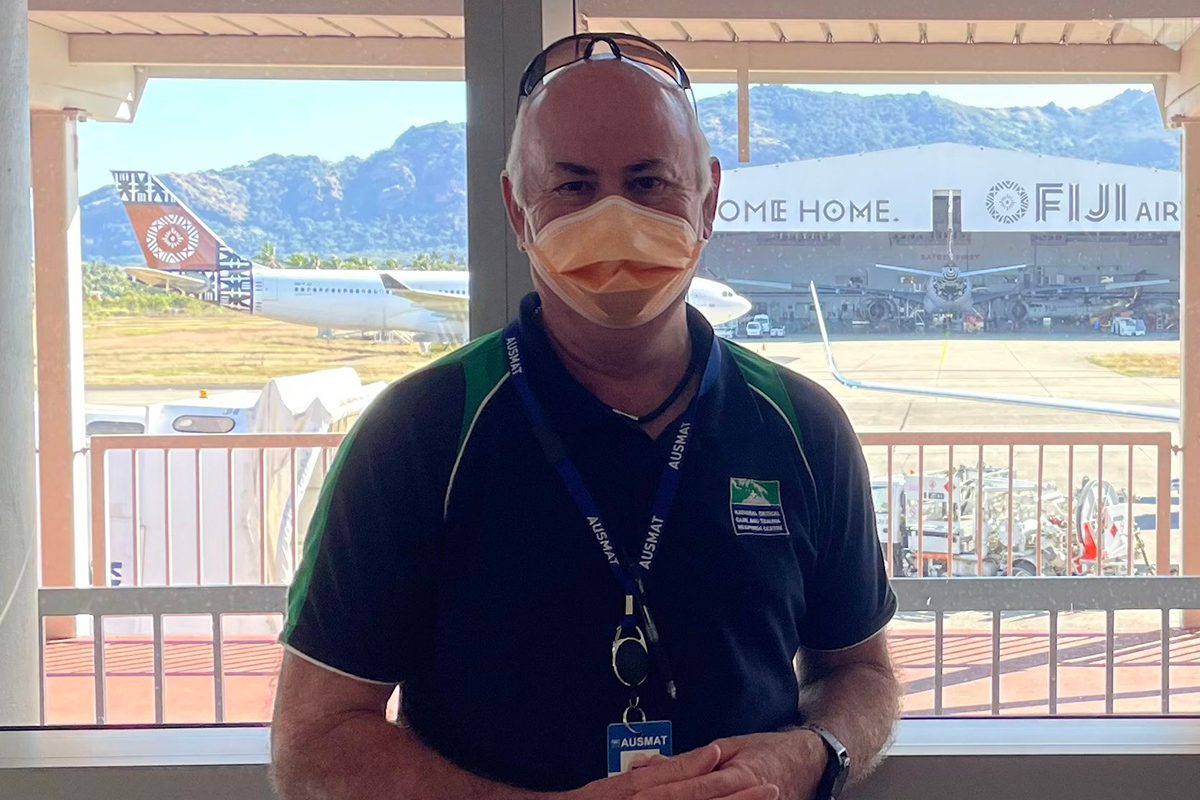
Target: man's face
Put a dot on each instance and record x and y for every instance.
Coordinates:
(602, 128)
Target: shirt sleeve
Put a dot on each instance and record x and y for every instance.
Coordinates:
(848, 599)
(362, 602)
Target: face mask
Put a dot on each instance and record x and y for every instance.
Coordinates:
(615, 262)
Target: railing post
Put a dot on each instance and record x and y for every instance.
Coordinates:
(1162, 506)
(98, 486)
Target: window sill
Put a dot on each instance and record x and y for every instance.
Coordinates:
(250, 745)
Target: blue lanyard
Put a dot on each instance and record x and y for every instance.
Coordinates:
(631, 576)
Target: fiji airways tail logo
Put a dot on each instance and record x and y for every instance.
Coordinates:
(172, 238)
(1007, 201)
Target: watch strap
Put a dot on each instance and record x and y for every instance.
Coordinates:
(837, 764)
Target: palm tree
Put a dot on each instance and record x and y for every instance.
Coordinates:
(296, 260)
(332, 262)
(312, 260)
(266, 254)
(391, 263)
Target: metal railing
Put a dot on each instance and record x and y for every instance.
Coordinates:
(918, 597)
(225, 474)
(980, 508)
(156, 602)
(941, 596)
(977, 499)
(978, 517)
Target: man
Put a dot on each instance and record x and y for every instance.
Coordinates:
(602, 533)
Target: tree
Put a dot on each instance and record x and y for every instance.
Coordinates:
(296, 260)
(266, 254)
(331, 262)
(435, 261)
(391, 263)
(358, 262)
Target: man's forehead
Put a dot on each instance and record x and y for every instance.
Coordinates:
(608, 113)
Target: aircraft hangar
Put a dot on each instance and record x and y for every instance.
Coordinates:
(1073, 222)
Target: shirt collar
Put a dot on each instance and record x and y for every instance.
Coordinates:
(568, 404)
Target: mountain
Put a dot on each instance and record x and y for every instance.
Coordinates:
(411, 197)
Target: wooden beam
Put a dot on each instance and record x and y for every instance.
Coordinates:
(829, 10)
(266, 51)
(867, 59)
(420, 8)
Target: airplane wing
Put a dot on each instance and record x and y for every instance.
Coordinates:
(1074, 288)
(167, 280)
(910, 270)
(989, 270)
(1102, 287)
(1112, 409)
(842, 291)
(448, 304)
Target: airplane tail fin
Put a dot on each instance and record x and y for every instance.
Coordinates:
(174, 240)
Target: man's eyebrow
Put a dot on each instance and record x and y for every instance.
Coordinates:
(573, 168)
(644, 165)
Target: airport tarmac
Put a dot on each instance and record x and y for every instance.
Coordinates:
(1034, 366)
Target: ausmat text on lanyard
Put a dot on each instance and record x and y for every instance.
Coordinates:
(633, 646)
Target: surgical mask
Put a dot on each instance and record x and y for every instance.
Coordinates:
(615, 262)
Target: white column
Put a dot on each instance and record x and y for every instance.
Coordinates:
(62, 479)
(18, 562)
(1189, 352)
(501, 38)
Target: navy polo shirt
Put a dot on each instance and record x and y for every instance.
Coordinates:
(446, 555)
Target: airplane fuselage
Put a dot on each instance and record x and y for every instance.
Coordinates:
(948, 293)
(358, 300)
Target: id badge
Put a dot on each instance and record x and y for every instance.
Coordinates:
(627, 743)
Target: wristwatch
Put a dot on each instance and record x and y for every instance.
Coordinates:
(837, 765)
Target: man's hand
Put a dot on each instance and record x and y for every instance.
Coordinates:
(792, 760)
(691, 776)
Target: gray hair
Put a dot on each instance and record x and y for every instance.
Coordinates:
(513, 165)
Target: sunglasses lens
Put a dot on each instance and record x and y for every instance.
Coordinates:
(568, 51)
(639, 51)
(631, 662)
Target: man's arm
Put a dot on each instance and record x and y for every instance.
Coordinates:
(854, 694)
(330, 740)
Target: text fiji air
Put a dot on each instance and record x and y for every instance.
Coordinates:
(1052, 200)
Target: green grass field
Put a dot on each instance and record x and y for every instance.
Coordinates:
(1139, 365)
(228, 349)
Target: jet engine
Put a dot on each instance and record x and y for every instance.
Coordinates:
(1017, 310)
(877, 309)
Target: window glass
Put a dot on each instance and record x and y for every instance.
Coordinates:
(206, 299)
(975, 251)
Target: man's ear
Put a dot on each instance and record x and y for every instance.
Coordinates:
(710, 200)
(516, 215)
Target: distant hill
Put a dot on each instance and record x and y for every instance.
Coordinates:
(411, 197)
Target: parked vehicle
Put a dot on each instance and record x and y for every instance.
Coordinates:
(1128, 326)
(753, 330)
(778, 332)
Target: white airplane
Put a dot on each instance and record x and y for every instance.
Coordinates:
(949, 291)
(184, 254)
(1163, 413)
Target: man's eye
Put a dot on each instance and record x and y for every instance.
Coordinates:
(647, 183)
(573, 187)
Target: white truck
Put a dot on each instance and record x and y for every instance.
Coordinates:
(1128, 326)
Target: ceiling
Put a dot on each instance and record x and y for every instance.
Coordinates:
(819, 41)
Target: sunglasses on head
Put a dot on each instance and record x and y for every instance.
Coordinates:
(581, 46)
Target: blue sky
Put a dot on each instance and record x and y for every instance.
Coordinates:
(185, 125)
